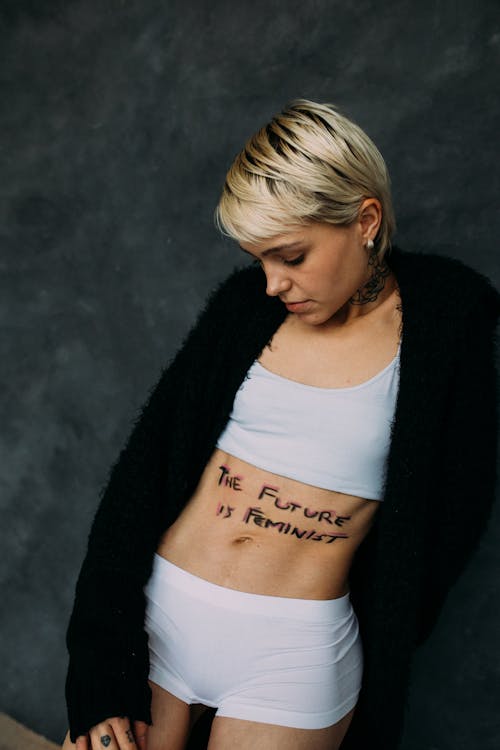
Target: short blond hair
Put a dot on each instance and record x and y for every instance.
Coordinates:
(309, 164)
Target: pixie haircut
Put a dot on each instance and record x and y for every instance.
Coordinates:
(308, 164)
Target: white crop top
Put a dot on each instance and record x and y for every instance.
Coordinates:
(334, 438)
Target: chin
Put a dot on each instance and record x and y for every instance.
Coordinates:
(313, 319)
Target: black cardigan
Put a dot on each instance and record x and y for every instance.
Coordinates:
(438, 490)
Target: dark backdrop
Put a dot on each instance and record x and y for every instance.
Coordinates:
(119, 120)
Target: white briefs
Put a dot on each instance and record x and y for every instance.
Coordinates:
(277, 660)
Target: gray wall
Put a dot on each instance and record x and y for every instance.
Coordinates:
(118, 122)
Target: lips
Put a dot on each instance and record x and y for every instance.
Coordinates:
(297, 306)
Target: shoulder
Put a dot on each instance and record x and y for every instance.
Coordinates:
(446, 281)
(230, 307)
(242, 283)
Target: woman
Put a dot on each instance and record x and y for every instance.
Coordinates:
(294, 502)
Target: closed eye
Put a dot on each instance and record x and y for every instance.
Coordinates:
(294, 261)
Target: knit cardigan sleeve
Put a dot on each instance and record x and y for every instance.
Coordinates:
(108, 655)
(466, 471)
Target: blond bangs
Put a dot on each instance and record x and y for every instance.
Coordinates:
(310, 163)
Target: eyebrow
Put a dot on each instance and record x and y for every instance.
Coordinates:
(275, 249)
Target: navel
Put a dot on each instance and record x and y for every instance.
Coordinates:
(241, 539)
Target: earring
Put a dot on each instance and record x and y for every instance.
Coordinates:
(369, 245)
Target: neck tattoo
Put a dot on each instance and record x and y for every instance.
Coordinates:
(370, 291)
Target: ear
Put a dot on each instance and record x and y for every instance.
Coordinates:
(370, 217)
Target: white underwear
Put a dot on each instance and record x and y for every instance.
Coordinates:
(272, 659)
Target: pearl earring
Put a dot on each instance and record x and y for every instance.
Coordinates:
(369, 245)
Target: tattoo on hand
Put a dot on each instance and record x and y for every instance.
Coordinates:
(129, 734)
(105, 740)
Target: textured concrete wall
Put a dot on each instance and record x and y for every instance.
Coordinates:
(118, 121)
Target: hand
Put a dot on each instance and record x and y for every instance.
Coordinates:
(114, 734)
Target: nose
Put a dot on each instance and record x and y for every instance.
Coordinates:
(277, 283)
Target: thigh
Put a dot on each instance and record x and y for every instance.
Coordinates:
(228, 733)
(171, 720)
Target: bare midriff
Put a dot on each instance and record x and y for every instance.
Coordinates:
(248, 529)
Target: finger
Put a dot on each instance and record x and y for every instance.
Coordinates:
(124, 733)
(141, 734)
(82, 742)
(102, 736)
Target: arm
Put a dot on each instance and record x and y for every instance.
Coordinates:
(107, 645)
(465, 475)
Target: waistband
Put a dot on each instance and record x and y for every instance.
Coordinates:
(166, 573)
